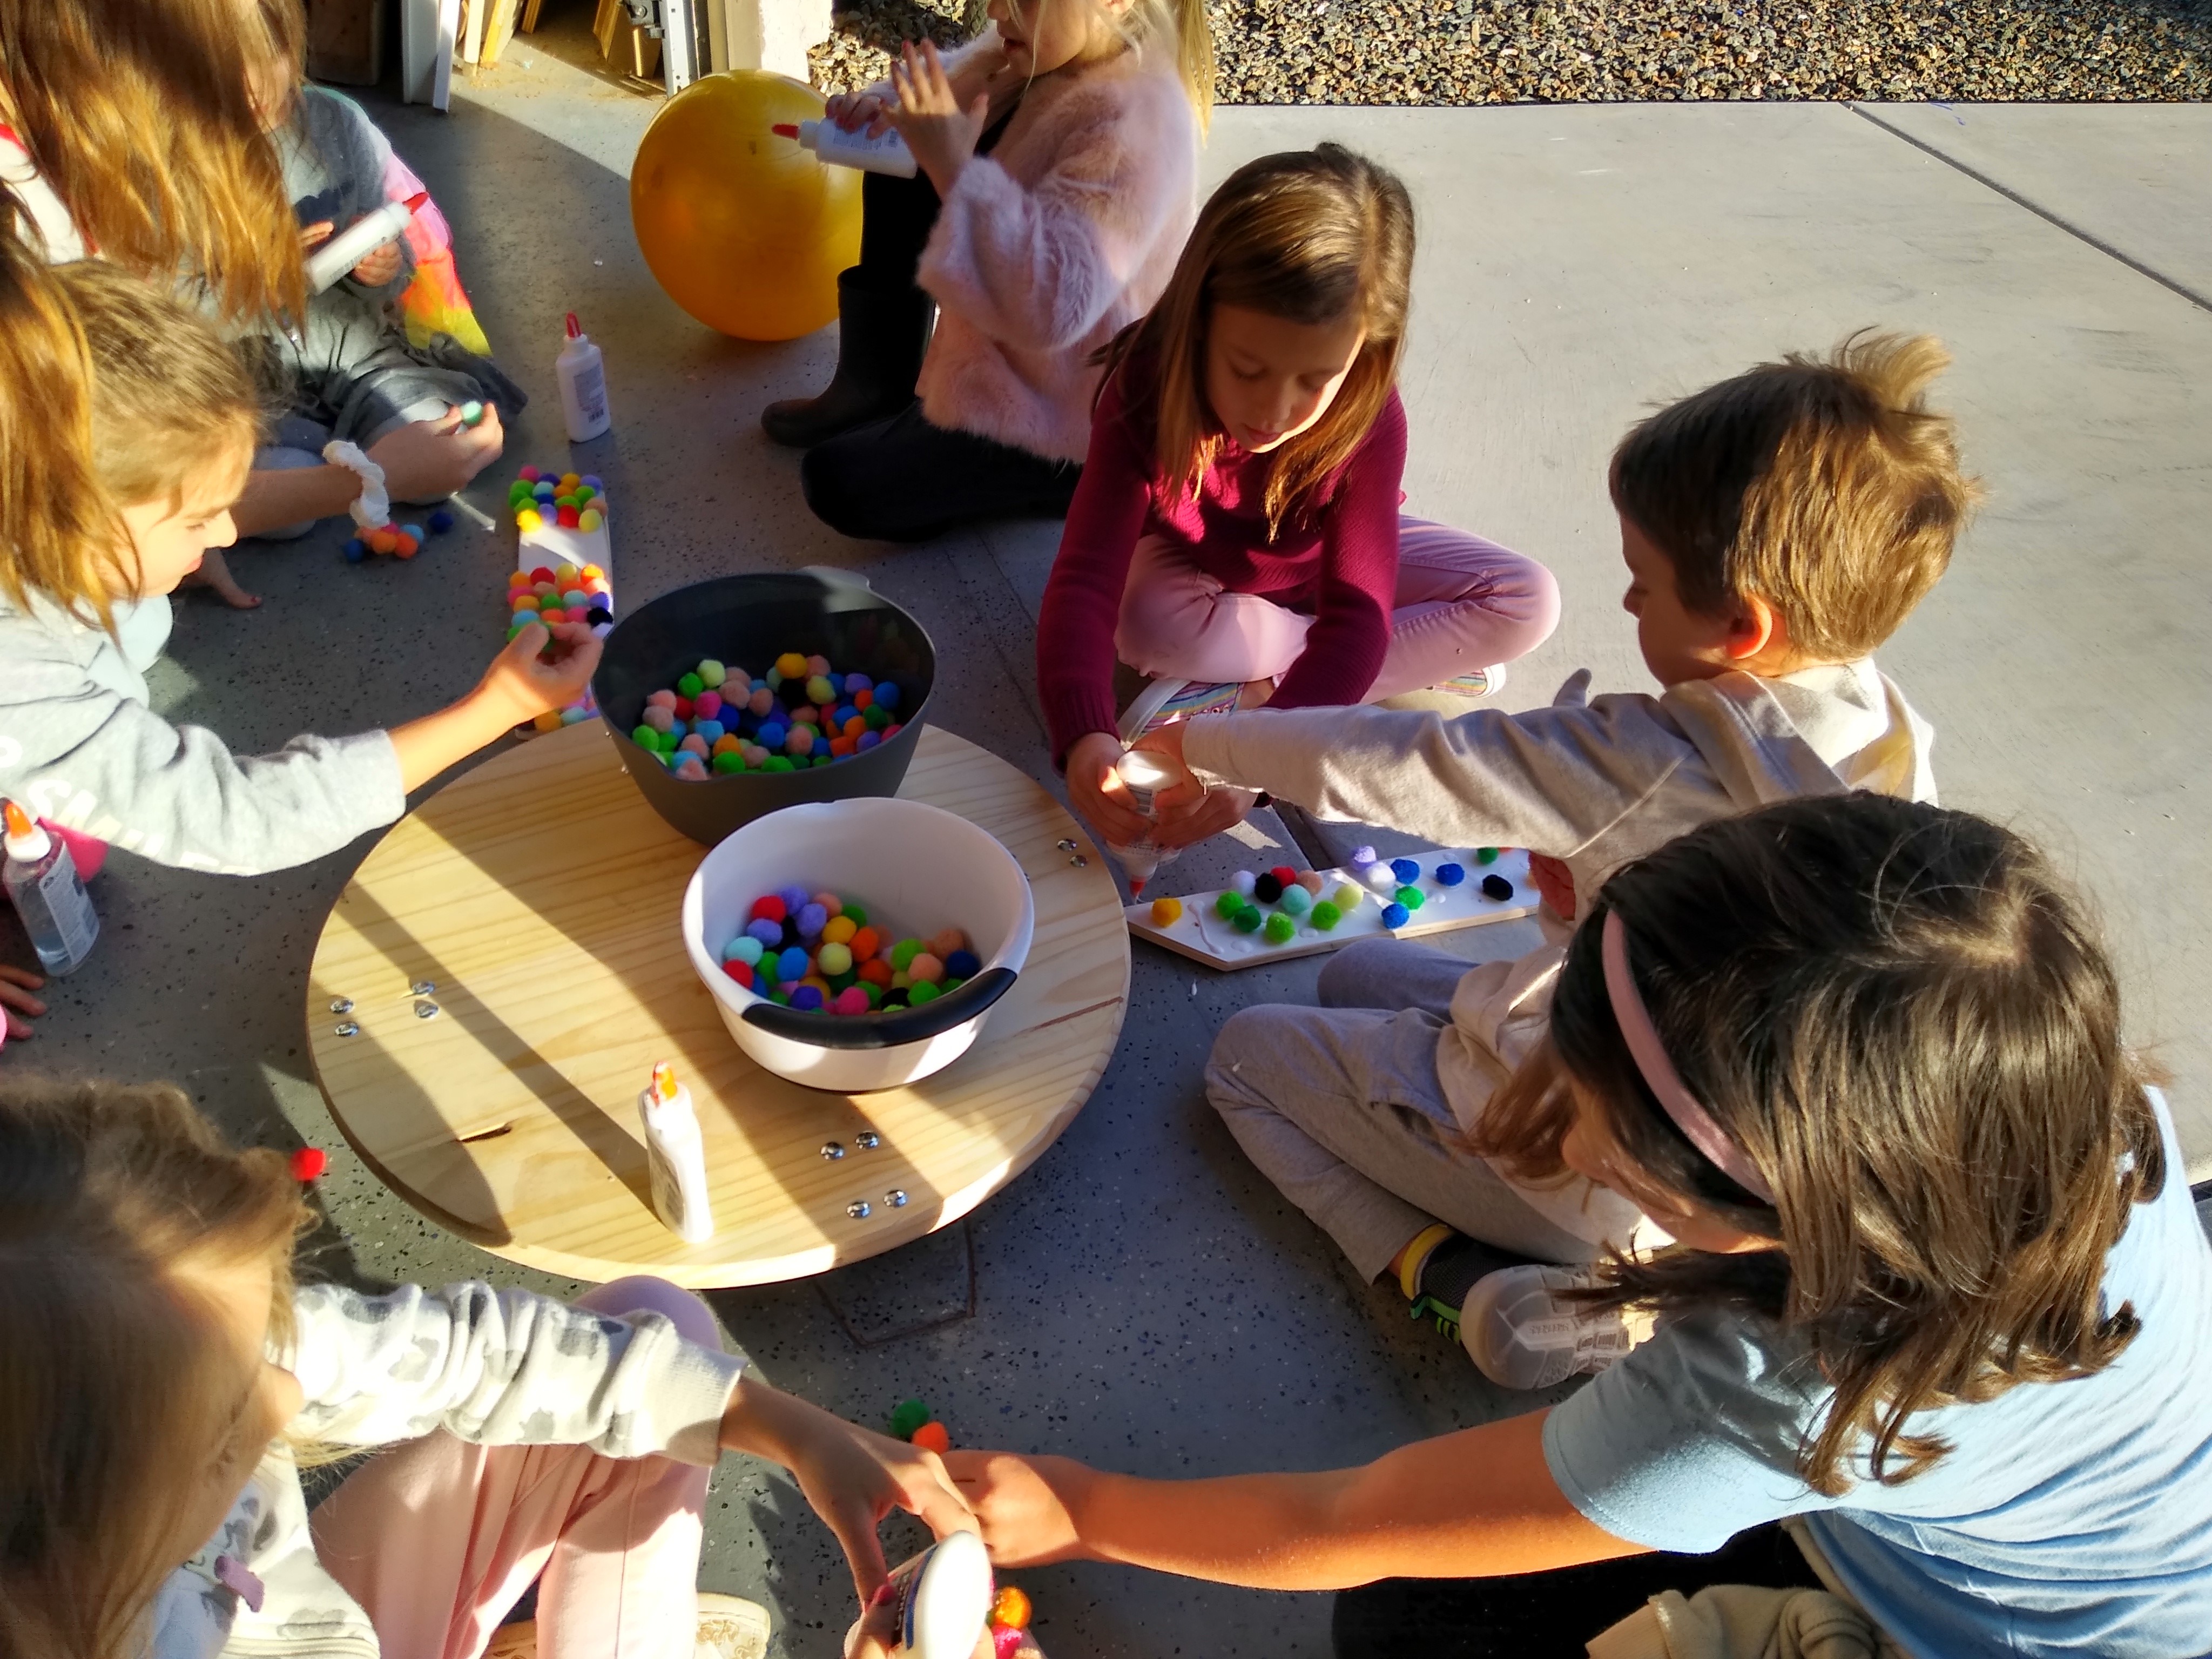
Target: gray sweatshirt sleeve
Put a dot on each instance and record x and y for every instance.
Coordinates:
(84, 755)
(503, 1368)
(1551, 780)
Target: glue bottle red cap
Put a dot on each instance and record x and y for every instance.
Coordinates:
(576, 329)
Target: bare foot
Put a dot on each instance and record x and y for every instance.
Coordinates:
(214, 572)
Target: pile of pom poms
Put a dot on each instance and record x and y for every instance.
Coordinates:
(570, 500)
(1394, 882)
(562, 592)
(1295, 894)
(820, 954)
(399, 541)
(801, 713)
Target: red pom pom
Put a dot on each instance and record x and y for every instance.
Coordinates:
(568, 517)
(740, 971)
(932, 1436)
(682, 709)
(768, 908)
(543, 574)
(1285, 874)
(308, 1163)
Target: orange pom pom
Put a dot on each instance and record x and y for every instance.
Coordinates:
(405, 546)
(840, 746)
(855, 726)
(1010, 1610)
(932, 1436)
(877, 971)
(865, 943)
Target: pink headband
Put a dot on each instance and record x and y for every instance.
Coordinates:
(1659, 1074)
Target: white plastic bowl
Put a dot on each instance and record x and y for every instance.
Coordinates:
(919, 870)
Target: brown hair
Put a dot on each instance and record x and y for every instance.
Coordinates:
(1902, 1019)
(1308, 235)
(140, 116)
(113, 393)
(1825, 486)
(111, 1369)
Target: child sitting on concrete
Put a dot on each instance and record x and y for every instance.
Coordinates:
(1776, 528)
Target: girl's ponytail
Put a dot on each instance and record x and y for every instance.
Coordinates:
(59, 533)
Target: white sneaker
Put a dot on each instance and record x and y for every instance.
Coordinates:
(1476, 682)
(1522, 1334)
(1168, 699)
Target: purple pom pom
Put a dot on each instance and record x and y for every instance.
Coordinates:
(812, 919)
(769, 933)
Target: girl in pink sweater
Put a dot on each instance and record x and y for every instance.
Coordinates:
(1238, 525)
(1059, 165)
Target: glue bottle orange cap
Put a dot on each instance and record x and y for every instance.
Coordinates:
(663, 1081)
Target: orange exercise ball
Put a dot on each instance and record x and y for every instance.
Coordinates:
(743, 229)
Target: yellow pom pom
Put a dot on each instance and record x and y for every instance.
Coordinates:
(1166, 911)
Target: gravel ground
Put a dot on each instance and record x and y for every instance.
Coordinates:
(1499, 51)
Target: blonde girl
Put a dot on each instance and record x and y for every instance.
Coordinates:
(159, 1368)
(1237, 528)
(126, 428)
(1937, 1301)
(1057, 169)
(135, 131)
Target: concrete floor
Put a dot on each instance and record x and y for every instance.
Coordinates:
(1143, 1300)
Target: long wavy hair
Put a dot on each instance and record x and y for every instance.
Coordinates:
(1904, 1020)
(111, 1371)
(143, 117)
(1309, 235)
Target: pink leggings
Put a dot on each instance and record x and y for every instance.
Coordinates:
(438, 1539)
(1462, 604)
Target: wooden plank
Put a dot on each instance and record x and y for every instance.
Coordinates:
(540, 894)
(1202, 936)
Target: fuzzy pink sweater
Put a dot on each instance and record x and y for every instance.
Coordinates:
(1051, 244)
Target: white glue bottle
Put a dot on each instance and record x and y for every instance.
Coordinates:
(884, 153)
(41, 879)
(943, 1597)
(1142, 773)
(358, 240)
(582, 373)
(675, 1157)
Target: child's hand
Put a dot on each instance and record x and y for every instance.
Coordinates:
(1554, 883)
(941, 133)
(426, 459)
(1096, 791)
(535, 673)
(854, 111)
(313, 236)
(1026, 1504)
(16, 985)
(1218, 810)
(214, 572)
(876, 1636)
(380, 266)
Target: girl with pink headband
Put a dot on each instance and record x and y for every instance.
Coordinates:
(1932, 1372)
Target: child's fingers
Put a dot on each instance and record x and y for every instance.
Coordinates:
(316, 234)
(854, 1524)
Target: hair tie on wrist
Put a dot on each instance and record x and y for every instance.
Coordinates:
(372, 508)
(1660, 1076)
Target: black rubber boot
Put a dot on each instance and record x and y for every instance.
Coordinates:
(881, 334)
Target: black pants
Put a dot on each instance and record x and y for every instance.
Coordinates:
(903, 479)
(1546, 1616)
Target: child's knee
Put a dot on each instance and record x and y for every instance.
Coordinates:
(1349, 977)
(693, 1319)
(1245, 1050)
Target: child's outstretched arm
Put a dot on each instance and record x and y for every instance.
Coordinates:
(1477, 1503)
(85, 755)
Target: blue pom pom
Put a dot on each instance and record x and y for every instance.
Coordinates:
(769, 933)
(592, 479)
(771, 735)
(1394, 917)
(356, 550)
(836, 683)
(1405, 870)
(440, 522)
(791, 965)
(414, 529)
(867, 741)
(962, 964)
(795, 898)
(1450, 875)
(857, 683)
(807, 998)
(812, 921)
(887, 695)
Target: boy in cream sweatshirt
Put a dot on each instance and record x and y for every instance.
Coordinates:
(1776, 528)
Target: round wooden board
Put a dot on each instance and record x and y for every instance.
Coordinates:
(540, 895)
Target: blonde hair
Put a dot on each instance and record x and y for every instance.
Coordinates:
(1308, 235)
(1825, 486)
(113, 393)
(140, 115)
(110, 1370)
(1183, 24)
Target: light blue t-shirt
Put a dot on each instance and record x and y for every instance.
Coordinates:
(2068, 1518)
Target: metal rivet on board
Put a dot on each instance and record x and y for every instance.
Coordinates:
(341, 1005)
(424, 988)
(867, 1140)
(895, 1198)
(348, 1029)
(832, 1150)
(1065, 844)
(426, 1009)
(858, 1209)
(1080, 862)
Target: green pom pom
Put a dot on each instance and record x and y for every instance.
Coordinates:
(690, 686)
(1409, 896)
(949, 986)
(873, 992)
(1280, 928)
(1326, 915)
(823, 760)
(875, 717)
(646, 738)
(667, 740)
(903, 953)
(779, 763)
(858, 917)
(906, 1417)
(1226, 906)
(729, 760)
(1249, 919)
(1486, 855)
(918, 994)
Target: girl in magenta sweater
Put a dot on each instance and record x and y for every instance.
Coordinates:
(1237, 524)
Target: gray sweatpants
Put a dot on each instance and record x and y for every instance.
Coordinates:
(1341, 1108)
